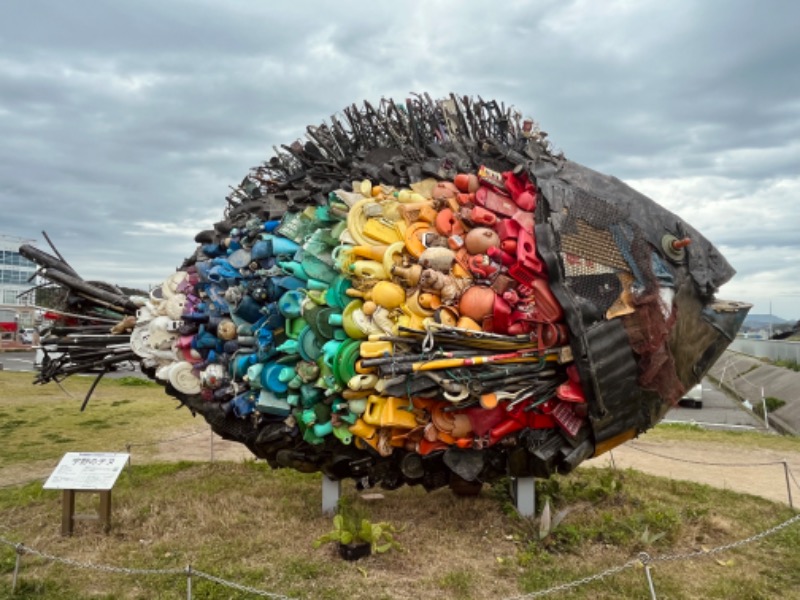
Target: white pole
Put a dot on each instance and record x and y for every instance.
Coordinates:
(650, 582)
(20, 552)
(764, 404)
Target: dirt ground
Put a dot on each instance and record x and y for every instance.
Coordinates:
(679, 460)
(755, 471)
(204, 446)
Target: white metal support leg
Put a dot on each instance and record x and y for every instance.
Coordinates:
(331, 490)
(523, 490)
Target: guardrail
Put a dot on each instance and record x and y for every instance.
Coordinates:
(774, 350)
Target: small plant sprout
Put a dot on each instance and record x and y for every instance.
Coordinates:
(648, 539)
(350, 528)
(548, 522)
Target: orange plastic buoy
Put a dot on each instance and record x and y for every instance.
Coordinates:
(467, 182)
(413, 238)
(447, 223)
(477, 302)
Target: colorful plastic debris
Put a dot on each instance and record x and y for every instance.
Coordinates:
(423, 293)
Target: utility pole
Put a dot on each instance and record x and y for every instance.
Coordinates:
(770, 319)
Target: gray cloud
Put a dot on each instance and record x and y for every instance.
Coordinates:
(123, 123)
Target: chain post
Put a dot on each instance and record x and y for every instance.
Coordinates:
(788, 485)
(20, 550)
(644, 558)
(650, 582)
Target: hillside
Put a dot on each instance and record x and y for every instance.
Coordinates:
(764, 319)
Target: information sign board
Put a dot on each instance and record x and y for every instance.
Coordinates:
(87, 471)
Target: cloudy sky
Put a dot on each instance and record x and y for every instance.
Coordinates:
(123, 123)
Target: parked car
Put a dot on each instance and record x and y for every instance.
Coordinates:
(693, 398)
(39, 358)
(26, 336)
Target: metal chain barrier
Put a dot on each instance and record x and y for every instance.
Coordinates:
(128, 446)
(797, 485)
(725, 547)
(239, 587)
(699, 462)
(21, 550)
(783, 462)
(579, 582)
(643, 559)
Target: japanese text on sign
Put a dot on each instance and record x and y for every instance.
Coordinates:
(87, 471)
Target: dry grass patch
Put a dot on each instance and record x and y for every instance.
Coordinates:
(248, 524)
(254, 526)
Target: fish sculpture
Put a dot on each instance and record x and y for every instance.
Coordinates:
(422, 292)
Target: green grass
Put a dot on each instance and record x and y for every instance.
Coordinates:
(742, 439)
(254, 526)
(45, 421)
(787, 364)
(772, 403)
(459, 582)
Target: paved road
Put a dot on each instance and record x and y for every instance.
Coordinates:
(719, 411)
(17, 361)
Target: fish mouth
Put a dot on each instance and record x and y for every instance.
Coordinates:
(637, 284)
(419, 292)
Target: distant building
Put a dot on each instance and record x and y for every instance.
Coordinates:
(16, 276)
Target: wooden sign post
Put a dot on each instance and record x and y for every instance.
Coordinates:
(89, 472)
